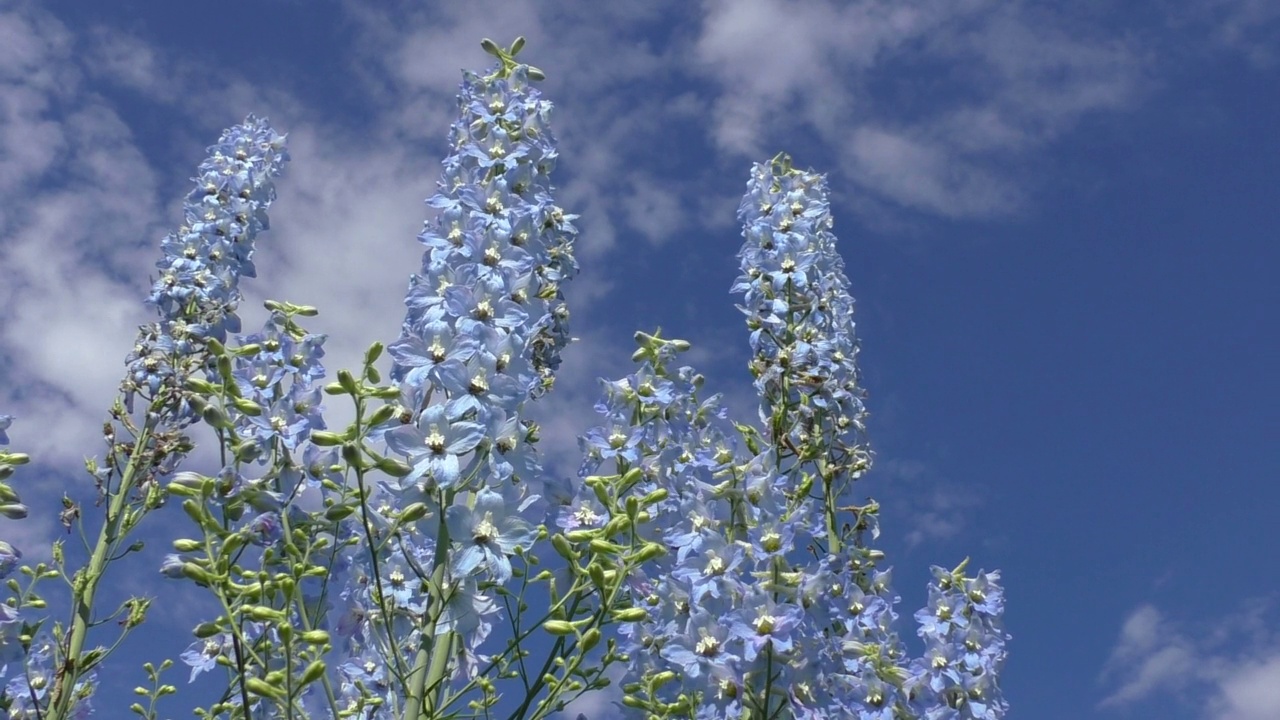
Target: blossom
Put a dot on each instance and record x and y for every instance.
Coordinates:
(435, 442)
(488, 533)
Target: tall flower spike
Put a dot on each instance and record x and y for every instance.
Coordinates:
(800, 314)
(486, 317)
(198, 289)
(482, 335)
(196, 296)
(204, 261)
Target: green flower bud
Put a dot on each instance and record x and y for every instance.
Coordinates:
(261, 613)
(313, 672)
(393, 467)
(558, 627)
(562, 546)
(632, 614)
(258, 686)
(348, 382)
(339, 512)
(414, 512)
(246, 406)
(315, 637)
(324, 438)
(382, 414)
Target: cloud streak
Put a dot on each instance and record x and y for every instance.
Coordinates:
(1227, 668)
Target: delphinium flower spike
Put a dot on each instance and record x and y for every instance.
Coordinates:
(482, 336)
(196, 295)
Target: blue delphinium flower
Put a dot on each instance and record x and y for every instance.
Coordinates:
(435, 442)
(489, 532)
(782, 632)
(197, 291)
(484, 326)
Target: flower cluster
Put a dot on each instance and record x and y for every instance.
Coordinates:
(958, 676)
(198, 289)
(485, 324)
(766, 604)
(362, 573)
(800, 315)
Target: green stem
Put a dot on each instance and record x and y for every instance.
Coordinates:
(85, 586)
(431, 662)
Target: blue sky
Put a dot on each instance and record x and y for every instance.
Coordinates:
(1059, 221)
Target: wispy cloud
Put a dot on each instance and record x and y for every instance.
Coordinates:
(934, 508)
(975, 87)
(1249, 27)
(1228, 667)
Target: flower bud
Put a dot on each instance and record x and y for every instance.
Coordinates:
(339, 512)
(632, 614)
(414, 512)
(313, 672)
(258, 686)
(324, 438)
(205, 630)
(650, 551)
(382, 414)
(315, 637)
(348, 382)
(562, 546)
(558, 627)
(264, 614)
(393, 467)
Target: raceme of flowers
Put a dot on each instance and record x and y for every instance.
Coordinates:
(762, 607)
(399, 568)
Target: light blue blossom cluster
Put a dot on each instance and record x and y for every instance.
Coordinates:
(767, 605)
(800, 314)
(362, 573)
(959, 674)
(198, 289)
(485, 324)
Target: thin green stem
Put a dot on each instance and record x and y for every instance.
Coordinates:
(85, 584)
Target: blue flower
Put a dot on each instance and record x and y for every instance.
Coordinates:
(701, 646)
(488, 533)
(763, 623)
(9, 557)
(202, 655)
(435, 443)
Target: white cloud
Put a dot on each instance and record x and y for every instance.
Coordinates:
(1250, 27)
(1229, 667)
(1149, 656)
(928, 105)
(1250, 691)
(933, 508)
